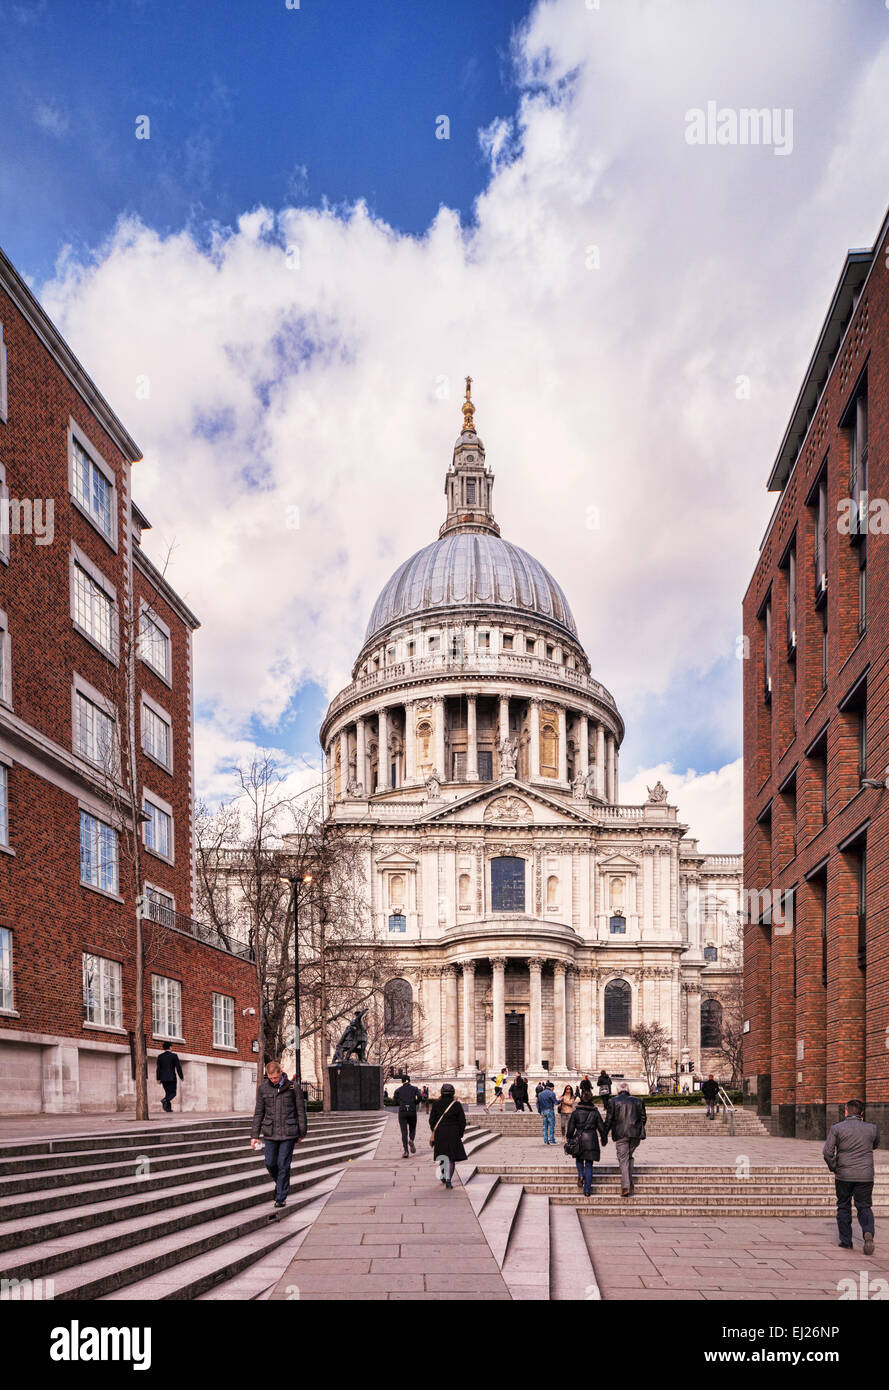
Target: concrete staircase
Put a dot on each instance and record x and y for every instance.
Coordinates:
(679, 1123)
(179, 1212)
(685, 1190)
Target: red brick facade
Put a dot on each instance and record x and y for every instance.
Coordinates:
(816, 725)
(52, 1057)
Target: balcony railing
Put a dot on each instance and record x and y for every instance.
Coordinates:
(166, 916)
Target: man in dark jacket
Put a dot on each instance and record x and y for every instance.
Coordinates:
(849, 1154)
(280, 1120)
(710, 1092)
(168, 1068)
(407, 1098)
(546, 1104)
(625, 1123)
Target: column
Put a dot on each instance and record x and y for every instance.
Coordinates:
(383, 751)
(571, 1017)
(563, 745)
(504, 718)
(410, 744)
(600, 761)
(560, 1057)
(609, 768)
(344, 762)
(584, 741)
(535, 966)
(471, 740)
(585, 1006)
(449, 975)
(616, 778)
(438, 720)
(361, 755)
(693, 915)
(469, 1015)
(534, 762)
(666, 925)
(498, 966)
(648, 853)
(693, 1036)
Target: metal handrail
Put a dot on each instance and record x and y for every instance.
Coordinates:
(728, 1109)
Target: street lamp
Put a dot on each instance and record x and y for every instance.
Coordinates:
(295, 885)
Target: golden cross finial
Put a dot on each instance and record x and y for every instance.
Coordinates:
(468, 410)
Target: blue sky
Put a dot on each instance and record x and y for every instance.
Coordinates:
(297, 264)
(249, 103)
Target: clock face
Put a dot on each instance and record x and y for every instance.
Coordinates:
(470, 458)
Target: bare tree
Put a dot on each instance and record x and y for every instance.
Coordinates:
(730, 1044)
(654, 1042)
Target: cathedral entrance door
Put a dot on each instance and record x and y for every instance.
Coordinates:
(515, 1042)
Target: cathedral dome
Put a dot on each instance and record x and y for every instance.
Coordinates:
(471, 569)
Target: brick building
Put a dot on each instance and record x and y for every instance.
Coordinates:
(816, 733)
(81, 605)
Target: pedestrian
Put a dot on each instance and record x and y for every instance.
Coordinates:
(515, 1091)
(546, 1104)
(447, 1121)
(168, 1068)
(849, 1154)
(425, 1100)
(407, 1098)
(526, 1104)
(625, 1123)
(538, 1088)
(499, 1079)
(280, 1121)
(585, 1126)
(566, 1109)
(604, 1085)
(710, 1092)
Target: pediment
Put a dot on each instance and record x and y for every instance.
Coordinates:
(507, 803)
(396, 859)
(619, 863)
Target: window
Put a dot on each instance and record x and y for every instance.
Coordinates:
(397, 922)
(470, 492)
(507, 884)
(223, 1021)
(5, 661)
(92, 489)
(166, 1007)
(93, 609)
(6, 969)
(485, 766)
(101, 991)
(507, 641)
(154, 644)
(465, 888)
(5, 516)
(791, 602)
(617, 925)
(767, 652)
(160, 906)
(4, 394)
(98, 854)
(93, 732)
(158, 834)
(821, 540)
(856, 425)
(484, 641)
(817, 755)
(862, 906)
(552, 892)
(530, 646)
(157, 735)
(433, 642)
(710, 953)
(398, 1009)
(711, 1023)
(458, 767)
(617, 1009)
(4, 804)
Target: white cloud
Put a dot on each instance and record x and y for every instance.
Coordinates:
(50, 118)
(293, 360)
(709, 803)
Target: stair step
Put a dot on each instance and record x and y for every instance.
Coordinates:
(572, 1274)
(479, 1188)
(525, 1268)
(257, 1281)
(497, 1216)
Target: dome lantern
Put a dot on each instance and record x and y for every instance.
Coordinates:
(469, 483)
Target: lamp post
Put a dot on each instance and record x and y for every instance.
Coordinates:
(295, 884)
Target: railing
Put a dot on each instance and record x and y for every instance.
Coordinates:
(166, 916)
(728, 1109)
(474, 664)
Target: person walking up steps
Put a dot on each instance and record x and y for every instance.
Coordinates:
(407, 1098)
(447, 1121)
(168, 1068)
(546, 1104)
(849, 1154)
(625, 1123)
(499, 1081)
(710, 1092)
(585, 1127)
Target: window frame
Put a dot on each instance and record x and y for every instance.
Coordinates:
(80, 561)
(77, 439)
(4, 378)
(82, 690)
(157, 803)
(116, 973)
(163, 717)
(166, 1034)
(7, 972)
(98, 887)
(147, 611)
(5, 661)
(223, 1017)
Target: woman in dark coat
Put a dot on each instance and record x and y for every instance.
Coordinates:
(587, 1125)
(448, 1119)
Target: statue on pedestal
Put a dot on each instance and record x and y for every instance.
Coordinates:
(354, 1039)
(509, 752)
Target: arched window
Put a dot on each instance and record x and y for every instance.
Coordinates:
(711, 1023)
(424, 748)
(552, 891)
(617, 892)
(398, 1009)
(396, 890)
(508, 884)
(617, 1009)
(549, 750)
(464, 890)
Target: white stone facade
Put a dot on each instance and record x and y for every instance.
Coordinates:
(528, 905)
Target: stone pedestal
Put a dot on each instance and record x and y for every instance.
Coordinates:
(356, 1087)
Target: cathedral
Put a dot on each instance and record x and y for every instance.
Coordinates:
(535, 919)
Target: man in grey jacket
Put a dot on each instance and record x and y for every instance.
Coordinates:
(849, 1154)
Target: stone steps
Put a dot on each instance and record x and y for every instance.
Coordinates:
(199, 1217)
(675, 1124)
